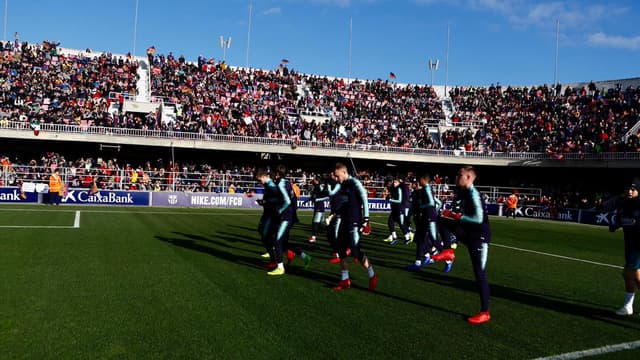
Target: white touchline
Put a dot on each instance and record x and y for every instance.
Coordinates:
(595, 351)
(240, 213)
(35, 227)
(205, 212)
(76, 221)
(556, 256)
(545, 254)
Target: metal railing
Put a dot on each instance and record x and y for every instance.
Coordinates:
(132, 179)
(151, 179)
(213, 181)
(373, 149)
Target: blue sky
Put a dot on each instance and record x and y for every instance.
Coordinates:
(506, 41)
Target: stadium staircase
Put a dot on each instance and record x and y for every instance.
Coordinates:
(169, 113)
(635, 130)
(143, 85)
(309, 116)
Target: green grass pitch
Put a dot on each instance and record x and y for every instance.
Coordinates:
(189, 283)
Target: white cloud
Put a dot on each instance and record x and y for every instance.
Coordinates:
(341, 3)
(504, 6)
(569, 15)
(572, 14)
(429, 2)
(614, 41)
(272, 11)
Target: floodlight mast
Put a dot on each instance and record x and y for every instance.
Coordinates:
(4, 27)
(135, 29)
(225, 44)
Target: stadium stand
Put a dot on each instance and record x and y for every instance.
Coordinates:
(542, 119)
(42, 83)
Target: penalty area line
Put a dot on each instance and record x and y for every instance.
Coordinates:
(607, 349)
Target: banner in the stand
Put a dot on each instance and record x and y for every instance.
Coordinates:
(106, 197)
(14, 195)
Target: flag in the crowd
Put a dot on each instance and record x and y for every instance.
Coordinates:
(285, 61)
(392, 75)
(35, 126)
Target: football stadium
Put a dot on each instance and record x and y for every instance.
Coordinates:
(154, 205)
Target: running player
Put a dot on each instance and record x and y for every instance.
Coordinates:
(471, 227)
(352, 208)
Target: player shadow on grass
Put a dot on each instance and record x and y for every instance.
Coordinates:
(525, 297)
(328, 280)
(192, 244)
(295, 238)
(230, 237)
(190, 241)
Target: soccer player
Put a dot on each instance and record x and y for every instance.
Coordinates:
(269, 218)
(405, 185)
(424, 206)
(287, 216)
(352, 207)
(471, 227)
(333, 220)
(628, 218)
(319, 195)
(396, 199)
(448, 241)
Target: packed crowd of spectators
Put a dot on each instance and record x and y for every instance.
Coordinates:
(546, 119)
(110, 174)
(40, 84)
(214, 98)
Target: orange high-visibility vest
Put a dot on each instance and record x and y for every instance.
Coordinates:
(55, 183)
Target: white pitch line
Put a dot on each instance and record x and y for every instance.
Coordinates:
(35, 227)
(557, 256)
(546, 254)
(595, 351)
(76, 221)
(241, 212)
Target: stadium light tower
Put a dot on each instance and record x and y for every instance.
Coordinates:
(225, 44)
(555, 68)
(433, 67)
(135, 29)
(249, 34)
(4, 27)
